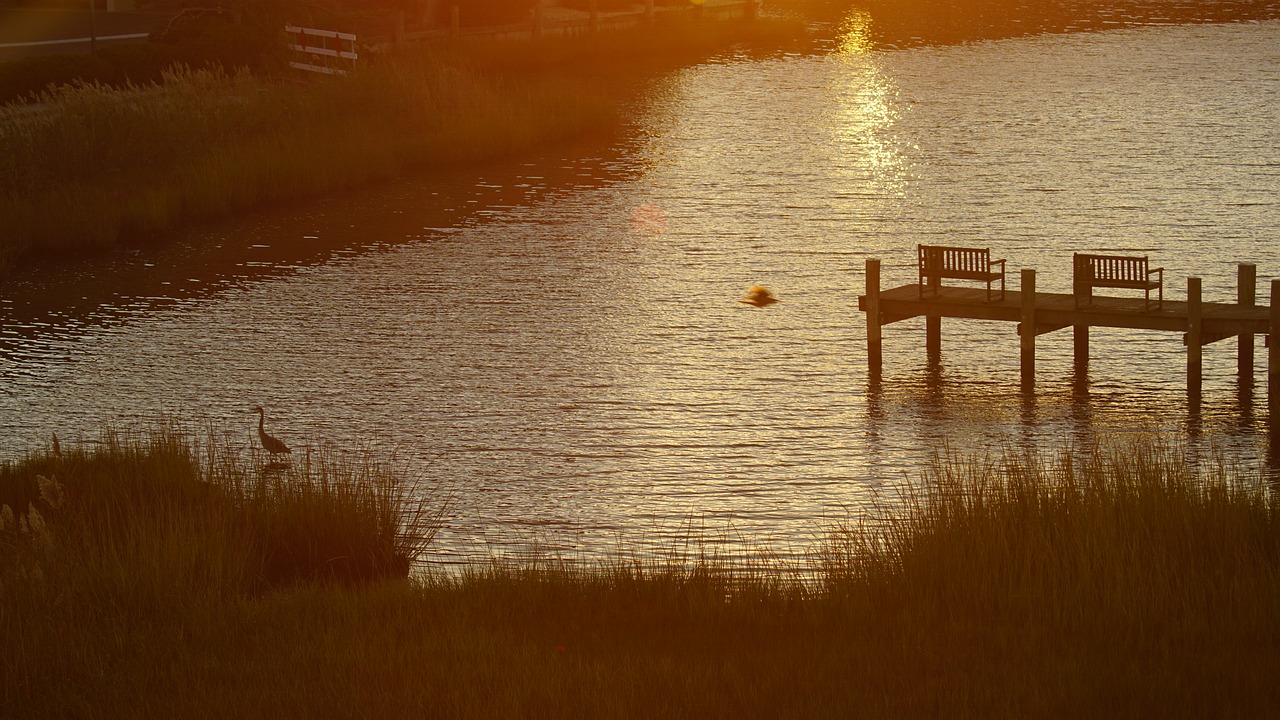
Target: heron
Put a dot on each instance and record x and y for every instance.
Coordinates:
(273, 445)
(759, 296)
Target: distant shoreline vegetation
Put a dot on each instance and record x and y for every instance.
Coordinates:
(896, 24)
(94, 167)
(98, 166)
(151, 575)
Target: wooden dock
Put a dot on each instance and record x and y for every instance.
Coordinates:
(1200, 323)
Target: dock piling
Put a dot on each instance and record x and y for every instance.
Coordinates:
(874, 342)
(1080, 336)
(1027, 331)
(1195, 338)
(1273, 363)
(1246, 295)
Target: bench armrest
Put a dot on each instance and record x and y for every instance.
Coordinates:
(1153, 271)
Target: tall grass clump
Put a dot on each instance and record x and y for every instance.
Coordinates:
(162, 505)
(100, 544)
(1117, 578)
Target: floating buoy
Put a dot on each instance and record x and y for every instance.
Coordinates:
(759, 296)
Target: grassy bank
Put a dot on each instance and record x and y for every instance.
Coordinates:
(1115, 582)
(94, 167)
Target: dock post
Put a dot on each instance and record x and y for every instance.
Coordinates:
(933, 337)
(873, 316)
(1246, 295)
(1028, 326)
(1194, 346)
(1080, 334)
(1273, 364)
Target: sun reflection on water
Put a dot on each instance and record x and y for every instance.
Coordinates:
(868, 109)
(855, 35)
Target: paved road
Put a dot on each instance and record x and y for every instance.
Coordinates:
(26, 32)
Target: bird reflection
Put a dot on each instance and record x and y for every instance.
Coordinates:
(759, 296)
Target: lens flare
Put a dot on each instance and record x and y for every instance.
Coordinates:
(649, 219)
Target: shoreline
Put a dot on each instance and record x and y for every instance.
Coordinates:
(55, 207)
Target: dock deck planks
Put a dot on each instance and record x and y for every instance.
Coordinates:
(1225, 319)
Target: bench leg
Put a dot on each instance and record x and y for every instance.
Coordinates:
(1001, 288)
(1082, 295)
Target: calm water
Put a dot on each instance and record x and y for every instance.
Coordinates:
(560, 343)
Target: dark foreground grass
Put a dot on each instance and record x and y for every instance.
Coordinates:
(1108, 583)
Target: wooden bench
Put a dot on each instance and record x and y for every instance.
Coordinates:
(958, 263)
(1114, 271)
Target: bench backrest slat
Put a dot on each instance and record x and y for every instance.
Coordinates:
(1112, 267)
(961, 263)
(1116, 271)
(939, 258)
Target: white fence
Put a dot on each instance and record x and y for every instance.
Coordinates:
(324, 51)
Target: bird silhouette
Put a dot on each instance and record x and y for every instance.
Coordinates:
(273, 445)
(759, 296)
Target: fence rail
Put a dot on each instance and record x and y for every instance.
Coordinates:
(334, 53)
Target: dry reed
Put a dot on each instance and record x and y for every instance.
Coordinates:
(1105, 581)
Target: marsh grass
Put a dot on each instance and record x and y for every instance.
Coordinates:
(93, 166)
(157, 509)
(1113, 581)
